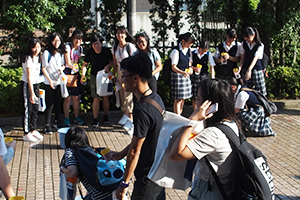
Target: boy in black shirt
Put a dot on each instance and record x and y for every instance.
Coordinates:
(147, 121)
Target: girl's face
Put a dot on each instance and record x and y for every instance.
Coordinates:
(121, 36)
(186, 44)
(76, 41)
(249, 39)
(230, 40)
(36, 49)
(142, 43)
(202, 51)
(56, 42)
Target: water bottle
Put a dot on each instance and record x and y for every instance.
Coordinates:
(223, 56)
(198, 66)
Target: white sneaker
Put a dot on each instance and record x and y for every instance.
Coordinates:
(130, 131)
(128, 125)
(37, 134)
(123, 119)
(30, 138)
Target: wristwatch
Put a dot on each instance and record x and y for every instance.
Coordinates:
(123, 184)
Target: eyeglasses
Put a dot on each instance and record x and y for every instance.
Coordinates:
(96, 43)
(126, 75)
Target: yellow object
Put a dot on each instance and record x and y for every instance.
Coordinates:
(41, 92)
(17, 198)
(187, 70)
(75, 65)
(235, 69)
(223, 54)
(8, 139)
(199, 66)
(83, 79)
(105, 151)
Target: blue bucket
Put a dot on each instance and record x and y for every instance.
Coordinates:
(62, 133)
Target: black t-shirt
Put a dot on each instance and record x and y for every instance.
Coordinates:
(98, 61)
(147, 122)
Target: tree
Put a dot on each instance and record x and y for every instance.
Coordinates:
(111, 14)
(23, 18)
(159, 15)
(194, 17)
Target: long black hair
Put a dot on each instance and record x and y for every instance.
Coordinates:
(28, 52)
(76, 138)
(249, 31)
(218, 91)
(144, 35)
(61, 49)
(129, 37)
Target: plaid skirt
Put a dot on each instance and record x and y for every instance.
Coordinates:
(196, 79)
(255, 121)
(181, 87)
(257, 81)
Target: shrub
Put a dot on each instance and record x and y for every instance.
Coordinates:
(283, 82)
(10, 98)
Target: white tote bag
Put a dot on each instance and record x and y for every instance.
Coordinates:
(63, 85)
(104, 83)
(165, 172)
(42, 102)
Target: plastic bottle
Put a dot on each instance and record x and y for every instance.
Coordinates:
(224, 61)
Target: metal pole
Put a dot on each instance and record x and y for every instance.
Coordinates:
(131, 16)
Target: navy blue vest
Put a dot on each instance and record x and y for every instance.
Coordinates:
(253, 100)
(183, 62)
(203, 61)
(249, 55)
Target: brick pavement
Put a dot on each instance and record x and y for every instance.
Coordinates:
(34, 169)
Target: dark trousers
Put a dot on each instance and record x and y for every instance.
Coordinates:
(53, 99)
(145, 189)
(30, 113)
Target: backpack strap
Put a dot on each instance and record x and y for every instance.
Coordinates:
(230, 134)
(155, 104)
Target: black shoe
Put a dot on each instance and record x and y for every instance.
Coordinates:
(56, 125)
(96, 123)
(105, 119)
(48, 130)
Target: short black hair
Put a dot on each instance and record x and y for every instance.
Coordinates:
(139, 64)
(97, 37)
(76, 138)
(77, 33)
(231, 33)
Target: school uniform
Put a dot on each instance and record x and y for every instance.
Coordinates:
(226, 71)
(30, 110)
(205, 60)
(257, 80)
(252, 114)
(181, 87)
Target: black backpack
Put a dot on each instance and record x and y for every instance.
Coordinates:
(268, 106)
(253, 178)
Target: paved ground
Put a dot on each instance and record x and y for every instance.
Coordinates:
(34, 169)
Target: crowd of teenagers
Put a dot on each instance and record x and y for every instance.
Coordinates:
(223, 78)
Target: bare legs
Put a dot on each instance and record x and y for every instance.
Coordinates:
(178, 106)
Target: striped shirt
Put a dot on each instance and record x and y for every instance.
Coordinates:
(70, 159)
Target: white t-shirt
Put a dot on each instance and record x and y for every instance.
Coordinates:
(35, 69)
(122, 53)
(213, 143)
(53, 65)
(175, 54)
(241, 98)
(3, 148)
